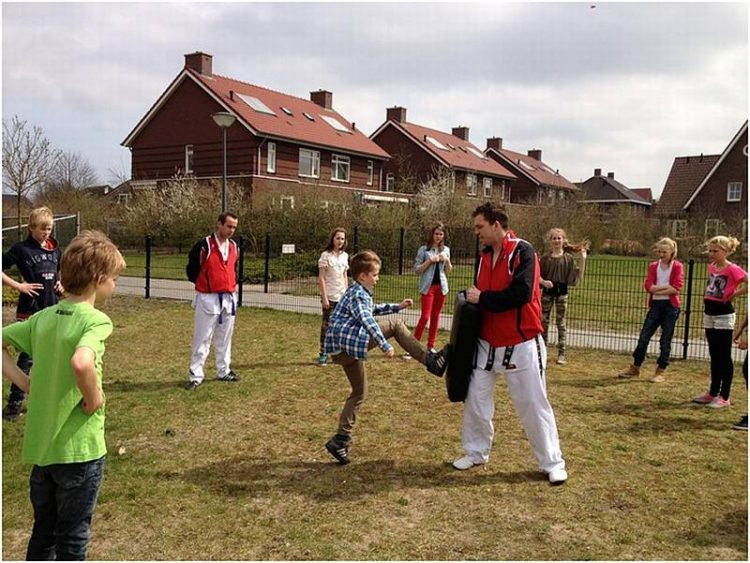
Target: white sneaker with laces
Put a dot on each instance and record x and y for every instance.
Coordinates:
(561, 360)
(557, 476)
(464, 463)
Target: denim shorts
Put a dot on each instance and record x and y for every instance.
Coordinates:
(719, 322)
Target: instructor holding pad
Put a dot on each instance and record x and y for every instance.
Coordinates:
(510, 342)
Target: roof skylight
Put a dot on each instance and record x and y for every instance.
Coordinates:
(335, 123)
(256, 104)
(475, 152)
(286, 110)
(308, 116)
(434, 142)
(526, 165)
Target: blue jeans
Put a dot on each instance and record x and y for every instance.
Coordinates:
(660, 314)
(63, 497)
(24, 364)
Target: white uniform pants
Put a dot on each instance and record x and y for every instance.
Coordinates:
(525, 377)
(208, 311)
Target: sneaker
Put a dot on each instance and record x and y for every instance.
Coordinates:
(406, 357)
(231, 376)
(632, 371)
(464, 463)
(12, 410)
(561, 360)
(431, 349)
(704, 399)
(191, 385)
(437, 362)
(339, 450)
(323, 360)
(557, 477)
(658, 376)
(719, 403)
(741, 424)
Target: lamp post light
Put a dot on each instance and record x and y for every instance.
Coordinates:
(224, 120)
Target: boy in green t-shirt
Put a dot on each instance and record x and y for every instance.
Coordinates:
(64, 435)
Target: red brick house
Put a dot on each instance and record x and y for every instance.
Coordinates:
(706, 195)
(418, 153)
(281, 148)
(537, 182)
(609, 195)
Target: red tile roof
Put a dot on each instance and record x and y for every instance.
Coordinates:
(684, 178)
(459, 153)
(645, 193)
(536, 169)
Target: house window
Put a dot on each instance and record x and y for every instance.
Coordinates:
(678, 228)
(539, 197)
(487, 187)
(561, 196)
(551, 197)
(123, 199)
(453, 181)
(340, 168)
(471, 184)
(370, 172)
(309, 163)
(390, 182)
(287, 202)
(502, 190)
(713, 227)
(734, 191)
(744, 225)
(188, 159)
(271, 158)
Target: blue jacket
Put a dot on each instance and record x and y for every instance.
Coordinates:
(425, 278)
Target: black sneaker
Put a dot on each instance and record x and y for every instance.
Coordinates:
(741, 424)
(231, 376)
(191, 385)
(12, 410)
(437, 362)
(339, 450)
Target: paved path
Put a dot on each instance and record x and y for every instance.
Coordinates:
(253, 296)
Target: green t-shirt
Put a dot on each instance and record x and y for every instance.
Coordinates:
(57, 429)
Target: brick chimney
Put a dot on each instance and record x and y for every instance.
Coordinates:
(461, 132)
(495, 143)
(200, 62)
(535, 153)
(396, 113)
(611, 175)
(323, 98)
(597, 171)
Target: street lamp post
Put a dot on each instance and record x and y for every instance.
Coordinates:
(224, 120)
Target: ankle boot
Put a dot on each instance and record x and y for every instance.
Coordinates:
(659, 375)
(632, 371)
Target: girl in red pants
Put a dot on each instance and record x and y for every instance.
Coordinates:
(432, 263)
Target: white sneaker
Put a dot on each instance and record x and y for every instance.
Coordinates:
(557, 476)
(464, 463)
(406, 357)
(561, 360)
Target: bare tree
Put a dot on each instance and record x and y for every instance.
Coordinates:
(27, 158)
(69, 173)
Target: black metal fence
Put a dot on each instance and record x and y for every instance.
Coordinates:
(606, 310)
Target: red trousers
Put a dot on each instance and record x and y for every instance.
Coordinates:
(432, 304)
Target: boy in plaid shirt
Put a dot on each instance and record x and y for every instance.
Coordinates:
(353, 330)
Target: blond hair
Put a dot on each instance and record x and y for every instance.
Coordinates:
(90, 256)
(41, 216)
(568, 246)
(363, 263)
(670, 243)
(727, 244)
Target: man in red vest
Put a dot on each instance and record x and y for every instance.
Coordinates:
(212, 265)
(510, 342)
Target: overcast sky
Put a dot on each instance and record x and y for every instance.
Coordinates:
(618, 86)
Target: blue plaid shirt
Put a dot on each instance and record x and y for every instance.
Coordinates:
(352, 323)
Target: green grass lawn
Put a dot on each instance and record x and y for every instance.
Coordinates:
(238, 471)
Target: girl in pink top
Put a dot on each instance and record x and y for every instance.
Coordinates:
(663, 284)
(725, 282)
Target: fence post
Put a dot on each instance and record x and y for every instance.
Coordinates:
(78, 222)
(688, 299)
(356, 239)
(241, 277)
(476, 259)
(267, 258)
(401, 252)
(148, 266)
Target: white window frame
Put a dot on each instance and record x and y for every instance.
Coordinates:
(502, 190)
(453, 181)
(471, 183)
(123, 199)
(390, 182)
(712, 227)
(370, 172)
(550, 197)
(734, 192)
(678, 228)
(311, 157)
(271, 158)
(189, 159)
(487, 187)
(340, 164)
(285, 200)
